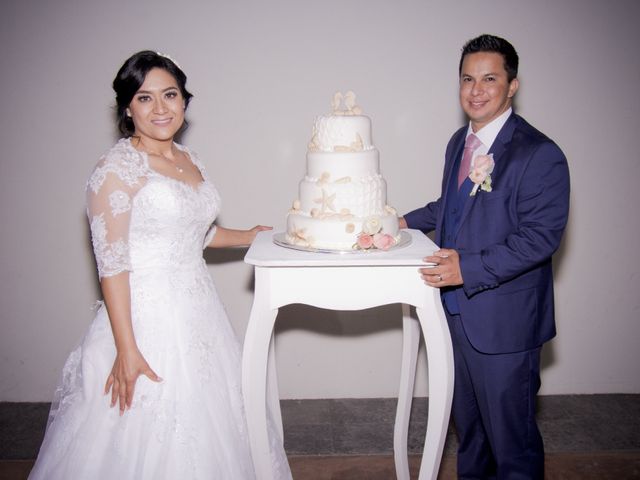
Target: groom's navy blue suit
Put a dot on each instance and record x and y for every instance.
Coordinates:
(503, 313)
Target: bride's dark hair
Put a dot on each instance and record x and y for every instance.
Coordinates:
(130, 78)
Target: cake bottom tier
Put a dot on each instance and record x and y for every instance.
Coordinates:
(333, 233)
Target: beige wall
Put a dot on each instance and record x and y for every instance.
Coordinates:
(260, 72)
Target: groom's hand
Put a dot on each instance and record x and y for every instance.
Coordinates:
(446, 272)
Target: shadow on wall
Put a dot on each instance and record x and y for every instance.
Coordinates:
(548, 356)
(91, 259)
(217, 256)
(339, 323)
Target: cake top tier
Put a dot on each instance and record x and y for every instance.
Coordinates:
(344, 130)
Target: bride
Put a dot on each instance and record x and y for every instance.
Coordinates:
(154, 389)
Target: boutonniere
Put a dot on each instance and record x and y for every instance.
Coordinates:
(481, 169)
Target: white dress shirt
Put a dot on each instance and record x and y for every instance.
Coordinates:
(488, 133)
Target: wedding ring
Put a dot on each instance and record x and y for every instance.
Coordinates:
(440, 277)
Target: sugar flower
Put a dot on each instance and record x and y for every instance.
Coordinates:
(372, 225)
(383, 241)
(364, 241)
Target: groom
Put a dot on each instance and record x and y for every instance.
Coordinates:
(499, 219)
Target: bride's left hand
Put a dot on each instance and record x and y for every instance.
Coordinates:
(255, 230)
(228, 237)
(128, 365)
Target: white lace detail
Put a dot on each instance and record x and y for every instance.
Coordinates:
(191, 425)
(111, 257)
(123, 160)
(120, 202)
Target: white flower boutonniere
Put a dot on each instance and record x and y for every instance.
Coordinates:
(481, 173)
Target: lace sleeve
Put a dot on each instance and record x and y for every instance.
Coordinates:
(110, 192)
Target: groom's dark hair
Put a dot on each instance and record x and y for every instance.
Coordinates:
(491, 43)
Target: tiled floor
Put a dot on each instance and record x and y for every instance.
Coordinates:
(586, 437)
(569, 423)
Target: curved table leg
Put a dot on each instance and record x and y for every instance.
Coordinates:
(440, 358)
(254, 381)
(273, 396)
(410, 345)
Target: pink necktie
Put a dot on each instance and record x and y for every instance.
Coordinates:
(471, 143)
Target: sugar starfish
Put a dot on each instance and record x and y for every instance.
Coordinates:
(326, 201)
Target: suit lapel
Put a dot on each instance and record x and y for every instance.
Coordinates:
(451, 162)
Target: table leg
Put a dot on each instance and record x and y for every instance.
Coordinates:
(254, 382)
(273, 395)
(410, 345)
(440, 357)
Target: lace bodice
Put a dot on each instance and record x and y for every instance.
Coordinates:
(140, 218)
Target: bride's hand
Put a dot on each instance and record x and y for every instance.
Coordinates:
(254, 231)
(127, 367)
(228, 237)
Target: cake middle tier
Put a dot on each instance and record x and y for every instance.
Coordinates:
(360, 197)
(343, 164)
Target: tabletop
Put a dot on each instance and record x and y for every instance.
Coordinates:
(414, 247)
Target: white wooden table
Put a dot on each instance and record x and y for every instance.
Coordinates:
(348, 282)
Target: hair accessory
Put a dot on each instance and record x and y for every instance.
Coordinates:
(169, 57)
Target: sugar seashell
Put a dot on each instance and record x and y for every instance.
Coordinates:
(390, 210)
(357, 144)
(343, 149)
(350, 100)
(336, 101)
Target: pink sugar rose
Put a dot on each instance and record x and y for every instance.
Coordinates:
(364, 241)
(383, 241)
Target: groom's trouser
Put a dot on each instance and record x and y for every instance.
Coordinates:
(494, 411)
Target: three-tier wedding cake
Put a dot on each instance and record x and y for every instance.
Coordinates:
(342, 200)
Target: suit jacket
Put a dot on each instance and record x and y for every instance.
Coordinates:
(506, 238)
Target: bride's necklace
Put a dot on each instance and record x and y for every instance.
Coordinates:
(167, 159)
(172, 162)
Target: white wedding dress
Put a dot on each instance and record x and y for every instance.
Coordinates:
(192, 424)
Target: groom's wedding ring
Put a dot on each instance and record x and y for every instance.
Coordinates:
(440, 277)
